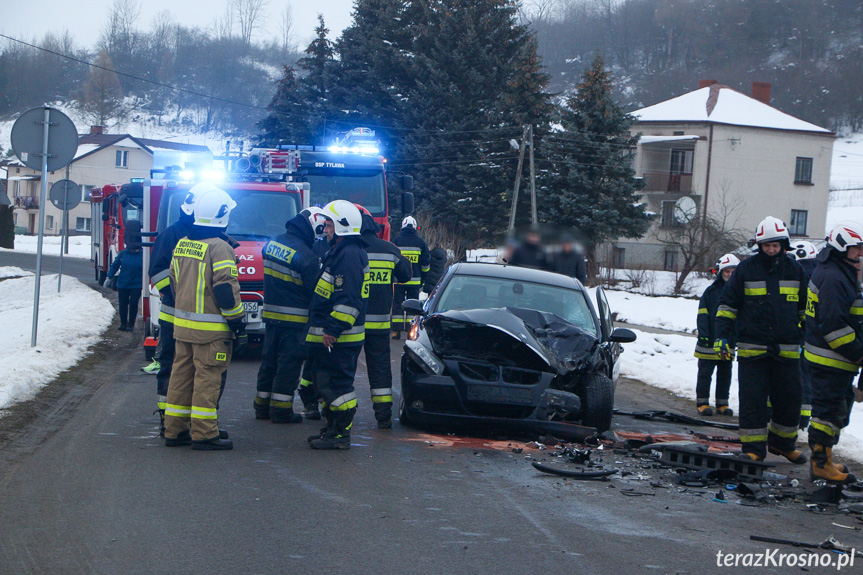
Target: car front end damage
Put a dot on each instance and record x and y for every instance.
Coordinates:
(512, 369)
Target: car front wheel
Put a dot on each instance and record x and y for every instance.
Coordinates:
(597, 401)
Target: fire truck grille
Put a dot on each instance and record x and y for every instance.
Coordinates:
(251, 286)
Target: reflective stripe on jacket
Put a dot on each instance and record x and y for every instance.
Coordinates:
(707, 307)
(415, 250)
(386, 267)
(290, 271)
(160, 263)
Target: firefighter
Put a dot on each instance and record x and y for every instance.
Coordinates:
(804, 252)
(834, 348)
(764, 301)
(386, 266)
(417, 252)
(337, 323)
(207, 309)
(290, 271)
(708, 358)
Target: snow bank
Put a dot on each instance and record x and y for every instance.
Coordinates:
(846, 169)
(69, 323)
(79, 246)
(13, 272)
(672, 313)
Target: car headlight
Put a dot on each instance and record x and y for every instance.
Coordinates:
(424, 357)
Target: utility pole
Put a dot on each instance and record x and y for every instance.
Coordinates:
(533, 217)
(518, 177)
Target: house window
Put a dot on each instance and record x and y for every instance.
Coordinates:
(122, 159)
(798, 222)
(677, 133)
(681, 161)
(49, 222)
(85, 193)
(618, 257)
(670, 261)
(668, 218)
(82, 224)
(803, 171)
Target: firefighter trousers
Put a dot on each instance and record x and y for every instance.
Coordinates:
(279, 375)
(165, 356)
(806, 384)
(832, 400)
(334, 378)
(194, 389)
(402, 292)
(767, 378)
(377, 346)
(705, 375)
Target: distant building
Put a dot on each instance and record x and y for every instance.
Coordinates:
(718, 145)
(101, 159)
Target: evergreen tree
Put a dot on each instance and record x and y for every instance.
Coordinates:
(589, 183)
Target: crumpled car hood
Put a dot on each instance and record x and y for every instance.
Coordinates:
(514, 337)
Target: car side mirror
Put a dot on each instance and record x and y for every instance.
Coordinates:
(621, 335)
(416, 306)
(408, 203)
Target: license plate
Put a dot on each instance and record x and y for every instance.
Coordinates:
(250, 306)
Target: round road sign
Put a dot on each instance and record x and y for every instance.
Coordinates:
(27, 138)
(65, 194)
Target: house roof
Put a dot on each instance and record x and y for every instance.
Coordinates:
(723, 105)
(92, 143)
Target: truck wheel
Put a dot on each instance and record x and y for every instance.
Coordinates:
(597, 401)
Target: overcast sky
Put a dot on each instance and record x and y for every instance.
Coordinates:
(29, 20)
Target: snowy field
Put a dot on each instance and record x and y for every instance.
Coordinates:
(79, 246)
(62, 339)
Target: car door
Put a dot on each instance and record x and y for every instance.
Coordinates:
(611, 351)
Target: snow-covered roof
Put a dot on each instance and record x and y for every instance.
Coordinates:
(655, 139)
(85, 149)
(723, 105)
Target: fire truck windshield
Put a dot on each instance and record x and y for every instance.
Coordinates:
(259, 214)
(364, 187)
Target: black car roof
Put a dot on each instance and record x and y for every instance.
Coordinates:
(516, 273)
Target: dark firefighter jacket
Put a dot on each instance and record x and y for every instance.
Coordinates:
(437, 267)
(764, 301)
(386, 266)
(290, 272)
(834, 316)
(160, 261)
(417, 253)
(707, 307)
(341, 293)
(131, 267)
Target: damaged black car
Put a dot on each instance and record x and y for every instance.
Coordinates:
(511, 348)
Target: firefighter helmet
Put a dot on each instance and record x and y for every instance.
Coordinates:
(316, 219)
(213, 207)
(803, 250)
(409, 221)
(195, 192)
(363, 209)
(727, 261)
(347, 219)
(845, 234)
(772, 230)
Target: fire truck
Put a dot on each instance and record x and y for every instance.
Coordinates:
(113, 208)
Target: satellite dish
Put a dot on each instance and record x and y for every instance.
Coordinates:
(685, 209)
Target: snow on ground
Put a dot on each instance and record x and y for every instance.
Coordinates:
(79, 246)
(13, 272)
(846, 168)
(62, 337)
(844, 205)
(672, 313)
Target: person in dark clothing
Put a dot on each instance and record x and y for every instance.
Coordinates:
(290, 272)
(437, 267)
(415, 250)
(529, 253)
(763, 303)
(708, 358)
(337, 317)
(386, 266)
(804, 252)
(570, 262)
(834, 345)
(130, 263)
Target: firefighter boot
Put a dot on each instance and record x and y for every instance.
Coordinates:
(384, 415)
(161, 413)
(262, 408)
(794, 455)
(705, 410)
(822, 466)
(214, 444)
(328, 428)
(340, 435)
(285, 416)
(183, 438)
(724, 410)
(310, 402)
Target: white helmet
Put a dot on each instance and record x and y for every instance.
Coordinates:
(213, 207)
(803, 250)
(347, 219)
(845, 234)
(195, 192)
(772, 230)
(316, 219)
(727, 261)
(409, 221)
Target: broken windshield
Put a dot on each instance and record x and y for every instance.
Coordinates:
(480, 292)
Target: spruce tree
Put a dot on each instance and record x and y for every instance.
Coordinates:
(588, 182)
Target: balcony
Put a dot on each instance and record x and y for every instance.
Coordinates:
(668, 183)
(27, 202)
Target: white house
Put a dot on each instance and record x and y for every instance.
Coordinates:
(719, 148)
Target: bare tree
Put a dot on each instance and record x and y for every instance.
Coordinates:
(249, 14)
(702, 238)
(286, 30)
(101, 96)
(223, 27)
(118, 31)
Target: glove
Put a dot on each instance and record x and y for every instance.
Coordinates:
(723, 349)
(241, 343)
(704, 342)
(238, 326)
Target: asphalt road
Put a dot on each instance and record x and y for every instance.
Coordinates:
(86, 486)
(77, 267)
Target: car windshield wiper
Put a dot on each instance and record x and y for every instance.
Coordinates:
(249, 236)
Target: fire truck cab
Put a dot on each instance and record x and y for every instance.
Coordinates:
(113, 207)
